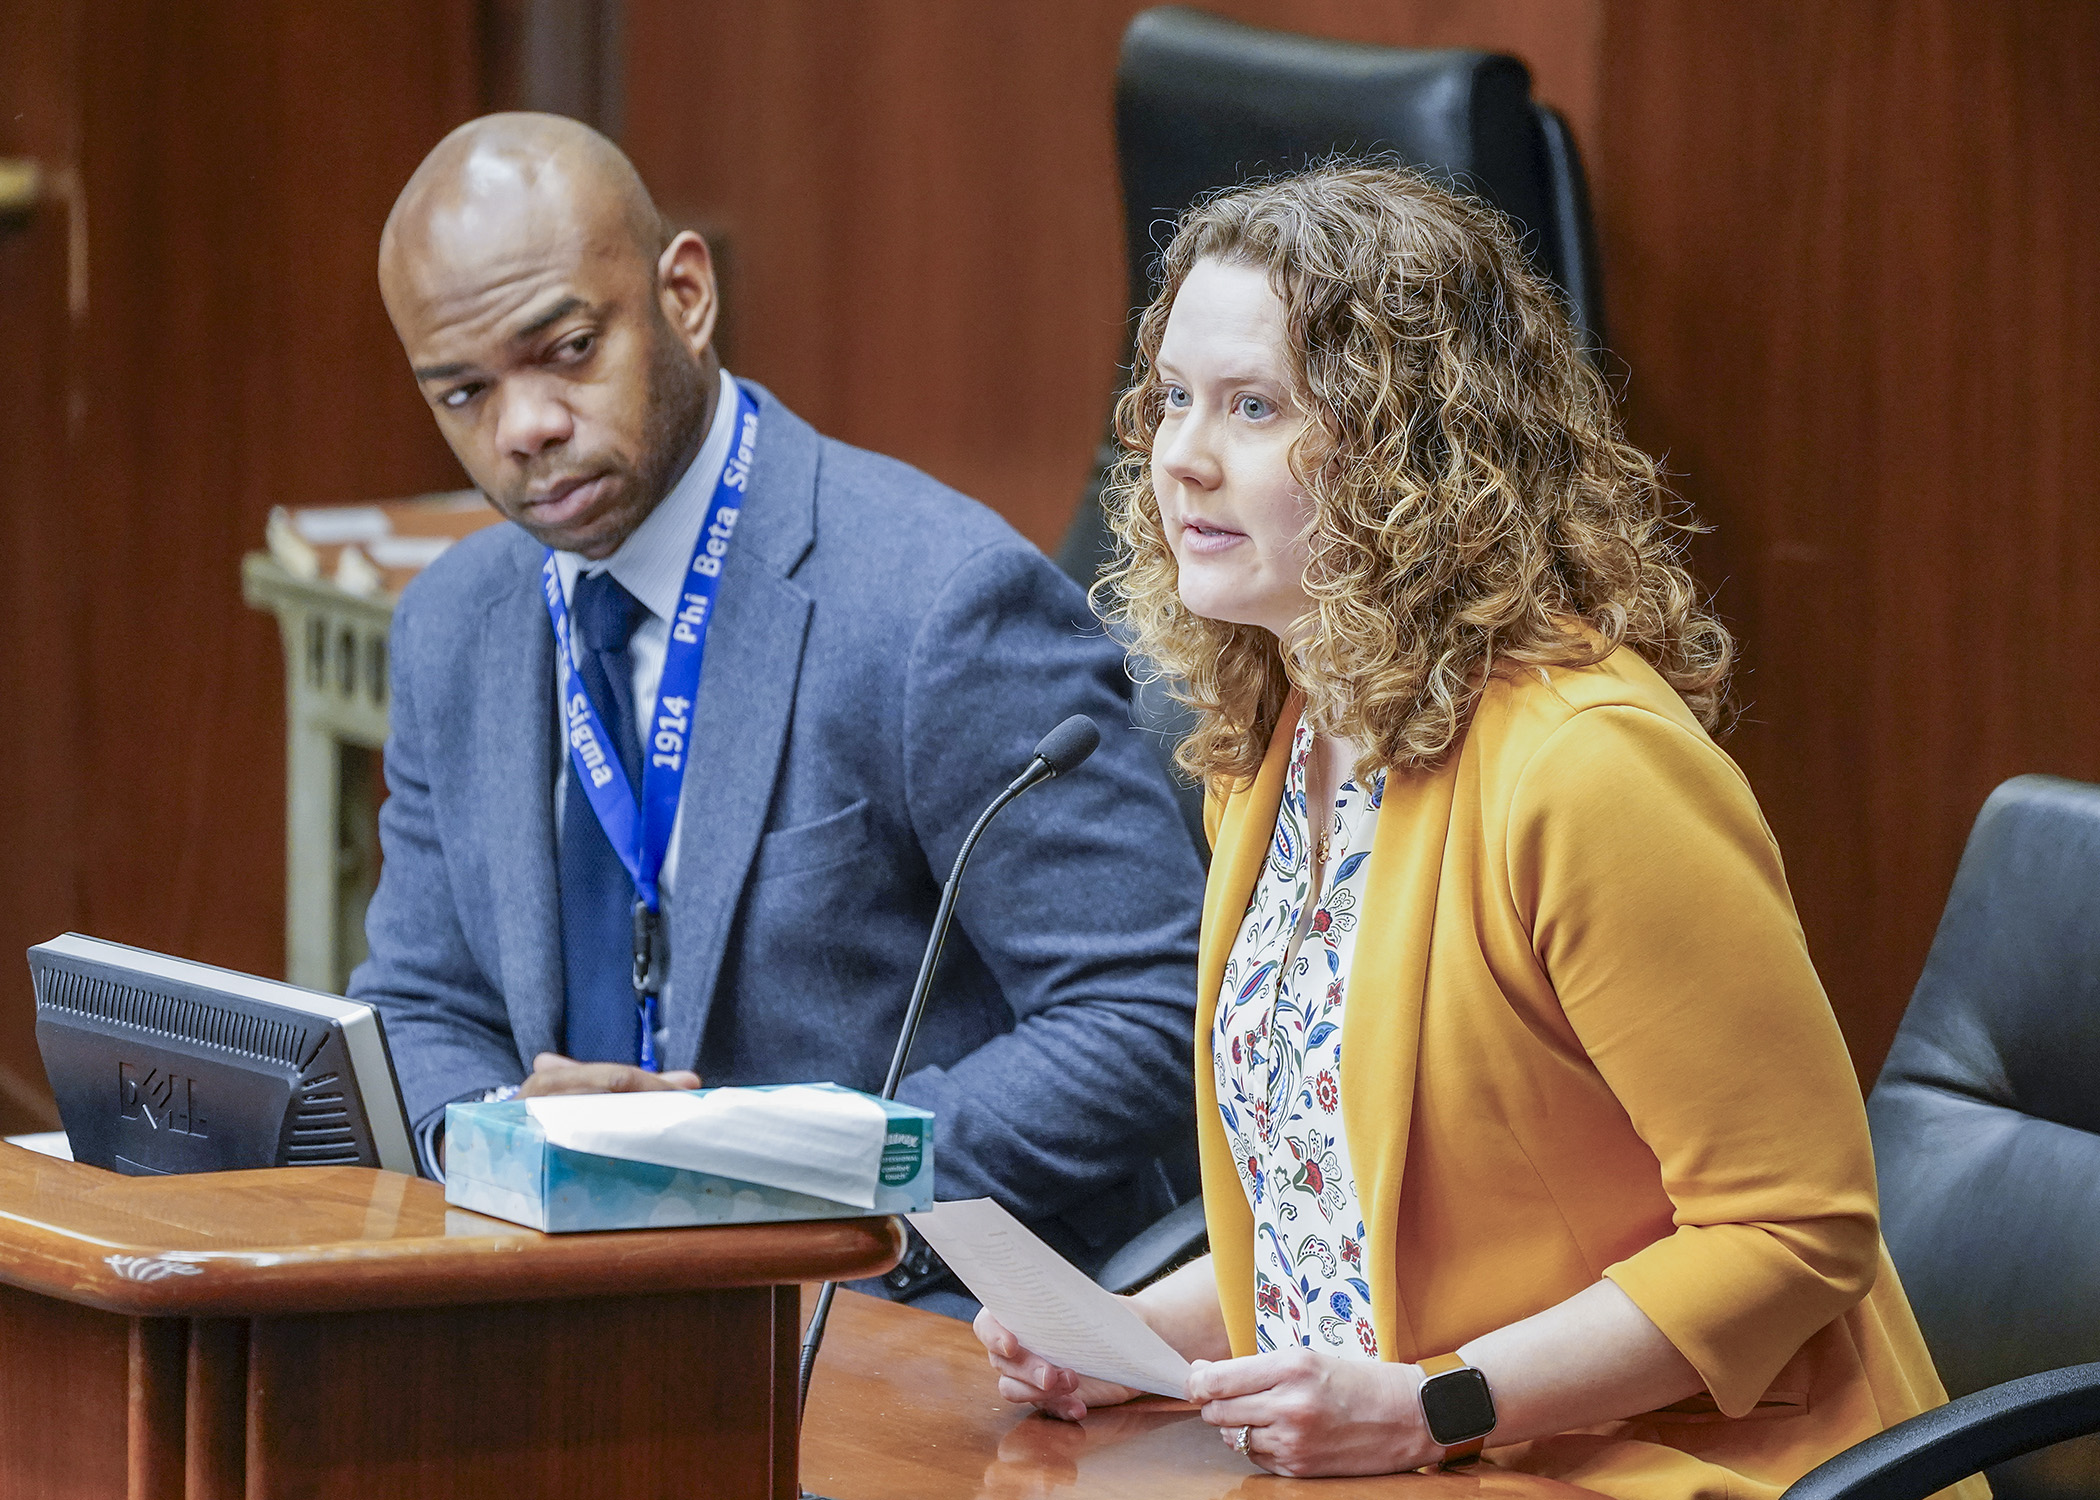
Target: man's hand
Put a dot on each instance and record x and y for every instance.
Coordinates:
(554, 1074)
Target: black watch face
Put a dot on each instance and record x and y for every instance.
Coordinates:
(1457, 1406)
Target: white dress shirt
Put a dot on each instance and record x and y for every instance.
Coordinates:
(651, 565)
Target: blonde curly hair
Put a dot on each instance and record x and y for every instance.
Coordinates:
(1474, 502)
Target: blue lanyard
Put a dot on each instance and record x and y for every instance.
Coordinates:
(640, 832)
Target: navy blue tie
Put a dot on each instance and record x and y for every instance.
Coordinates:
(601, 1022)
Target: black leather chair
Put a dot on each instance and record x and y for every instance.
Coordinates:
(1204, 103)
(1178, 1236)
(1986, 1125)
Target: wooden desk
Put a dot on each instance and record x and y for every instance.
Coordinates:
(336, 1332)
(903, 1407)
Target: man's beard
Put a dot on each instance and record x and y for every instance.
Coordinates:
(678, 414)
(674, 423)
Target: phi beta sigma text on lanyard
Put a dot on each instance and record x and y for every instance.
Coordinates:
(640, 833)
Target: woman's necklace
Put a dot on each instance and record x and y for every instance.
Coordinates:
(1320, 808)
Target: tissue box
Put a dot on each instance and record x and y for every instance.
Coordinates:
(498, 1161)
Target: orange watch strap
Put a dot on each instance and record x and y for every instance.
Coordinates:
(1459, 1454)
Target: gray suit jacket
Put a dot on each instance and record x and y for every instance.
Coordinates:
(884, 656)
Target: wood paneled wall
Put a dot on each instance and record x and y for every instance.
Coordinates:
(1850, 263)
(920, 205)
(198, 336)
(1845, 281)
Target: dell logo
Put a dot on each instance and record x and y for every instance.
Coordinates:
(165, 1101)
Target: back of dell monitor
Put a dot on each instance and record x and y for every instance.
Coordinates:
(162, 1065)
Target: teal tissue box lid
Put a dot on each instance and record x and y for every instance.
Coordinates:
(498, 1162)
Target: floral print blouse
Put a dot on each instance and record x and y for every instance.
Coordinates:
(1277, 1050)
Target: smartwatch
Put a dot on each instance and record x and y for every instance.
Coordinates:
(1457, 1407)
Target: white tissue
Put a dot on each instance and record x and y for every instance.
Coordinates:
(805, 1138)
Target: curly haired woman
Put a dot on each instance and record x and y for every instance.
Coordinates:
(1524, 1117)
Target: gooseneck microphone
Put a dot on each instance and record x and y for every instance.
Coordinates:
(1059, 751)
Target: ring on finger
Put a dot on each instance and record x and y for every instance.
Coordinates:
(1239, 1441)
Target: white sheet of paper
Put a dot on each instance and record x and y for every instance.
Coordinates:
(327, 525)
(1049, 1303)
(808, 1138)
(48, 1142)
(407, 551)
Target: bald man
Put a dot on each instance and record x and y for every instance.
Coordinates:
(787, 675)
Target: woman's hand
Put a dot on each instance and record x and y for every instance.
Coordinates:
(1028, 1379)
(1309, 1414)
(1182, 1309)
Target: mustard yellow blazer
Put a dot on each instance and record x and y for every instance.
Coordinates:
(1583, 1038)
